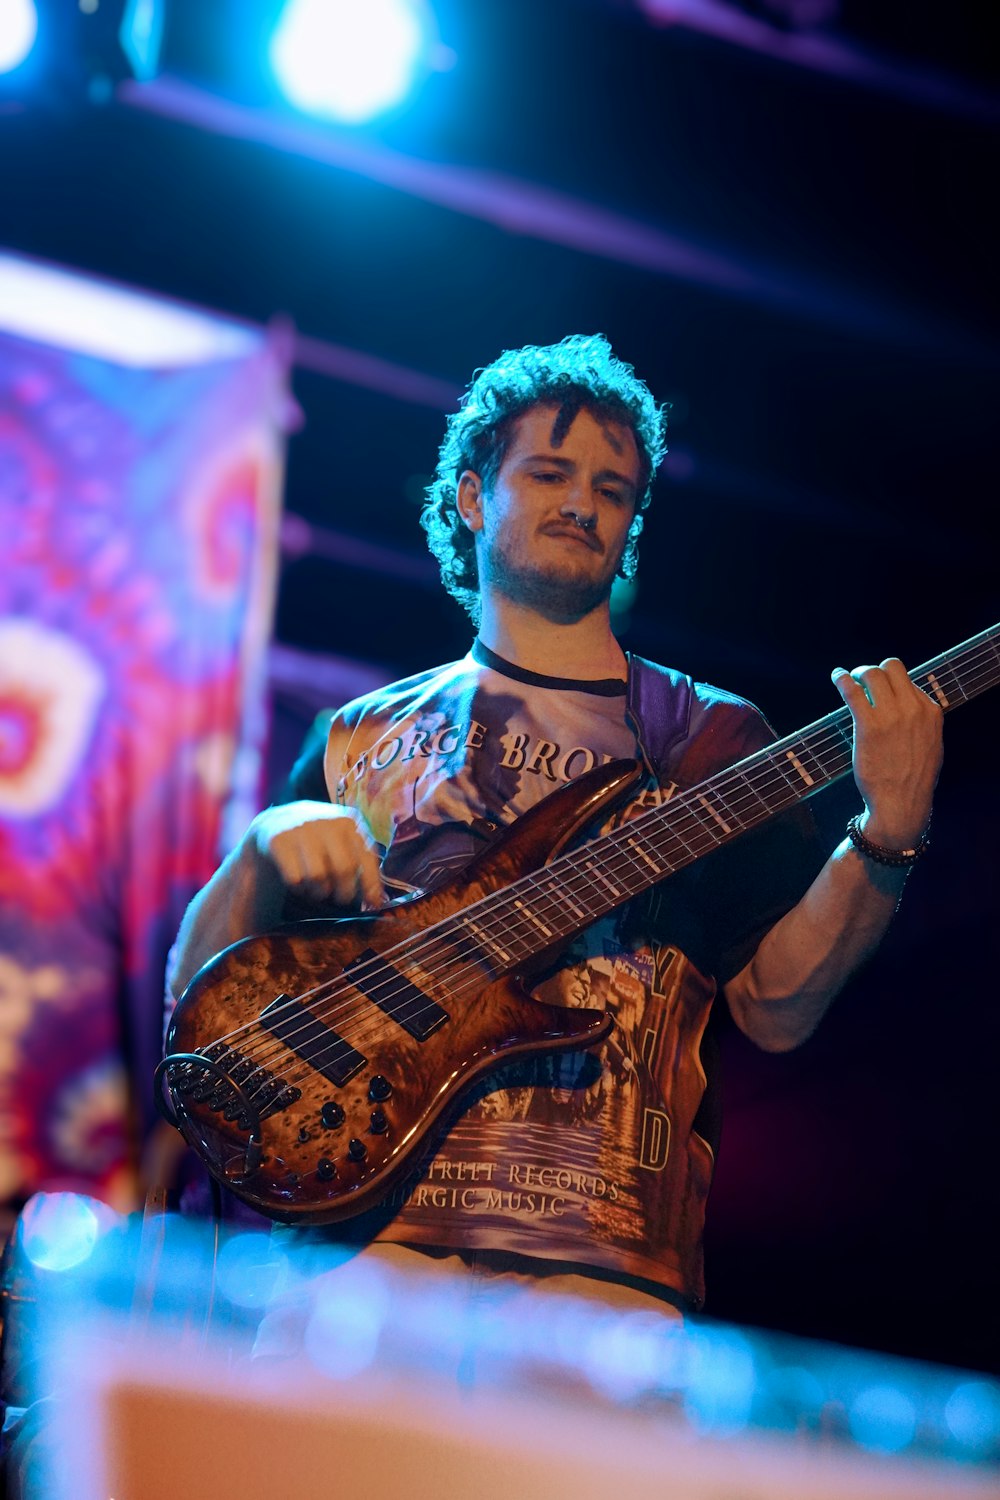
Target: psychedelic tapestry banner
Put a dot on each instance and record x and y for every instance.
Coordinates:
(140, 485)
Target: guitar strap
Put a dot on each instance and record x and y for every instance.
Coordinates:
(658, 708)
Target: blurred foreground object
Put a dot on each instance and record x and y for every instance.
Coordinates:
(150, 1376)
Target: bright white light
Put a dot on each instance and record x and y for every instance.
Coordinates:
(18, 29)
(348, 60)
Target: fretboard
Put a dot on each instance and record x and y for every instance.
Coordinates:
(553, 904)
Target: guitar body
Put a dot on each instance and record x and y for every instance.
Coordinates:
(305, 1092)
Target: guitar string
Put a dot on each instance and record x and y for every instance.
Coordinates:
(399, 981)
(634, 825)
(436, 935)
(554, 896)
(543, 883)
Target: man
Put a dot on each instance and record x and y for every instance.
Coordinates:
(589, 1170)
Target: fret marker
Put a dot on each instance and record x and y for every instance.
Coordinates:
(491, 946)
(595, 872)
(799, 767)
(532, 917)
(717, 816)
(638, 849)
(936, 689)
(559, 894)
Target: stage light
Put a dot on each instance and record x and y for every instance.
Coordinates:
(80, 50)
(18, 29)
(141, 35)
(349, 61)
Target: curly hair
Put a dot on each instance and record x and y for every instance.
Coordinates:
(579, 372)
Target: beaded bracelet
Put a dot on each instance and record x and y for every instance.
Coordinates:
(898, 858)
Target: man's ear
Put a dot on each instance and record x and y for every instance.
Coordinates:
(469, 499)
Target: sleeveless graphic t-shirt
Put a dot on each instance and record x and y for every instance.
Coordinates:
(600, 1158)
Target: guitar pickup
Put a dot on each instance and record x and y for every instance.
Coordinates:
(302, 1031)
(395, 995)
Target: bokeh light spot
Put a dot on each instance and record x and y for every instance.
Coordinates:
(882, 1418)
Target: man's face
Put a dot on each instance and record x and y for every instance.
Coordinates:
(552, 528)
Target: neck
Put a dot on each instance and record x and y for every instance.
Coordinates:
(585, 648)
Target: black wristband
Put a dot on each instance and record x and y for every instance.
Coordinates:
(896, 858)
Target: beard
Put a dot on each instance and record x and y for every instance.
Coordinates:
(558, 591)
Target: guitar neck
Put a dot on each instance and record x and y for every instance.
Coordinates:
(555, 903)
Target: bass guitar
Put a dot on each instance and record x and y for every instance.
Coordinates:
(313, 1067)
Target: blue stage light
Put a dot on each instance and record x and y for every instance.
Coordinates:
(346, 60)
(141, 35)
(18, 29)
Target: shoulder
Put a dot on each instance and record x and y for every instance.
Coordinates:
(356, 726)
(329, 737)
(713, 701)
(398, 698)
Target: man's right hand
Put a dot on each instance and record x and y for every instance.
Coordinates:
(319, 852)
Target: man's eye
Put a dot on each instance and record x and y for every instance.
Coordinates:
(614, 495)
(548, 476)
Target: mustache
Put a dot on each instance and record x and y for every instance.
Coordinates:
(578, 533)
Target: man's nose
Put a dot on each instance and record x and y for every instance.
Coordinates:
(578, 504)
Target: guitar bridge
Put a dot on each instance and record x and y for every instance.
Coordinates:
(227, 1080)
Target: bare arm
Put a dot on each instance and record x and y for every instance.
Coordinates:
(781, 995)
(315, 851)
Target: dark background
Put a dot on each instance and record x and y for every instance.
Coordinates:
(804, 263)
